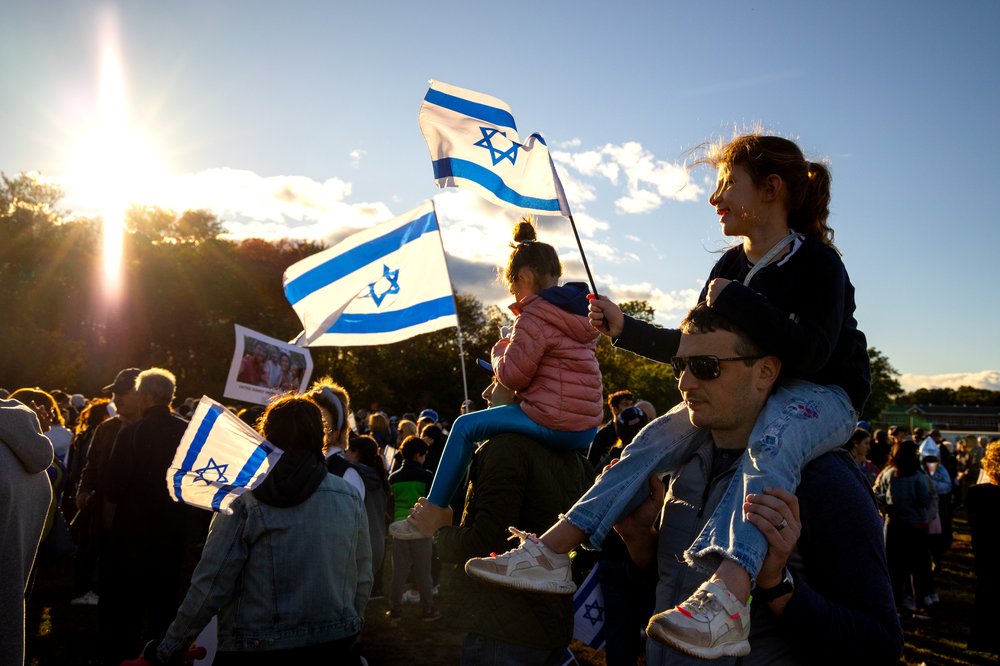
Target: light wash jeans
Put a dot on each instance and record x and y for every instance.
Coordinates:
(799, 422)
(478, 426)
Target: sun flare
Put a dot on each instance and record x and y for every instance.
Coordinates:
(113, 164)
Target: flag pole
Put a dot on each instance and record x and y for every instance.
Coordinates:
(458, 322)
(586, 266)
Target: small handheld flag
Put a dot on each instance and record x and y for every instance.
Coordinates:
(588, 611)
(474, 144)
(384, 284)
(219, 458)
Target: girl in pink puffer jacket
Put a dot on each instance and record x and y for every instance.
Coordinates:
(548, 359)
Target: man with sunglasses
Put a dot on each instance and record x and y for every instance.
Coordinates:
(823, 593)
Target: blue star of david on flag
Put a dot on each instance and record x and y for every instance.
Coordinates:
(496, 154)
(393, 279)
(212, 466)
(594, 612)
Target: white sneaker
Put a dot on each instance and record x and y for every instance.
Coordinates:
(711, 623)
(411, 597)
(405, 530)
(531, 566)
(88, 599)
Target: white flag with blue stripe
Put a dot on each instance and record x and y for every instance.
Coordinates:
(588, 611)
(219, 458)
(384, 284)
(474, 144)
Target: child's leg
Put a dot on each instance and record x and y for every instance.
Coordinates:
(800, 422)
(541, 564)
(478, 426)
(662, 446)
(465, 432)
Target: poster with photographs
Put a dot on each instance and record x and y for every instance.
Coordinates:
(263, 367)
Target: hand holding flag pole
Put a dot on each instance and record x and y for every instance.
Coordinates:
(473, 142)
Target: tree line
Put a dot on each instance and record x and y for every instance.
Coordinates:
(184, 288)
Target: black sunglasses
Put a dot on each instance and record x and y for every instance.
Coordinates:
(703, 367)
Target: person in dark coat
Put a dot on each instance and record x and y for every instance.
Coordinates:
(149, 530)
(983, 508)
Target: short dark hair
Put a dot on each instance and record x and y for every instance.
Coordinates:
(412, 447)
(616, 398)
(703, 319)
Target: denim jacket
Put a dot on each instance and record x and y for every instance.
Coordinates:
(280, 578)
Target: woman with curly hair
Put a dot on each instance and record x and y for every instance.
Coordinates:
(983, 505)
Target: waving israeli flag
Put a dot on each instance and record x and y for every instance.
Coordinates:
(588, 611)
(219, 458)
(381, 285)
(474, 144)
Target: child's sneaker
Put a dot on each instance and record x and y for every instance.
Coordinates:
(531, 566)
(711, 623)
(405, 530)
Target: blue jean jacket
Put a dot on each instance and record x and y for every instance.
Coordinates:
(280, 578)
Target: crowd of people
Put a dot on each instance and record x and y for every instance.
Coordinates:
(757, 520)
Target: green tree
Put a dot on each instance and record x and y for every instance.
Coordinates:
(621, 369)
(885, 385)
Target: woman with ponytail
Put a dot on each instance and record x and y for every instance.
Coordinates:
(786, 287)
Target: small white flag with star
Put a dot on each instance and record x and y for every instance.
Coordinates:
(474, 144)
(588, 611)
(219, 458)
(378, 286)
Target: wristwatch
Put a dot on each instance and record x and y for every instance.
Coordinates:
(786, 586)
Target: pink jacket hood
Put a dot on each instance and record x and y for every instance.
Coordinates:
(549, 360)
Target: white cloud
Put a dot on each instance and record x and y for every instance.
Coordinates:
(983, 379)
(356, 156)
(253, 205)
(648, 181)
(571, 143)
(670, 307)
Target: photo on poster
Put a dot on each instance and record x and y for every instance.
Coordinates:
(263, 367)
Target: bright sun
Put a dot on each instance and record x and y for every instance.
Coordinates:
(113, 165)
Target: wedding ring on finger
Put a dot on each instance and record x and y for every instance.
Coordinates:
(782, 525)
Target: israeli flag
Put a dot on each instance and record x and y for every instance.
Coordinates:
(588, 611)
(474, 144)
(219, 458)
(381, 285)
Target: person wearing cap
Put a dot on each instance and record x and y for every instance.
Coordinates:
(628, 423)
(92, 492)
(607, 435)
(25, 495)
(425, 418)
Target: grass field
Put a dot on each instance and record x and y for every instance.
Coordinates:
(65, 635)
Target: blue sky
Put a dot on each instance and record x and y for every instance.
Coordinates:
(300, 119)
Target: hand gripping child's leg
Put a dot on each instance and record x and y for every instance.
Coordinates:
(466, 432)
(799, 422)
(541, 564)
